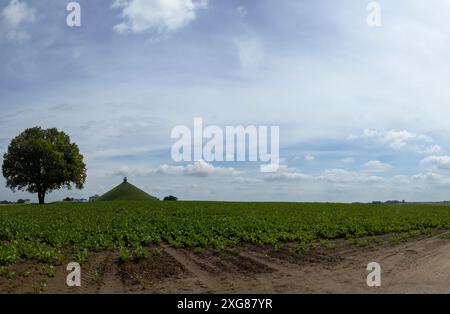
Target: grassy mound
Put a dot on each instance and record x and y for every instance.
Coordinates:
(126, 191)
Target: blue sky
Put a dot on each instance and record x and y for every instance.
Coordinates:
(363, 111)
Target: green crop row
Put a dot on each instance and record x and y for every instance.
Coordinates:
(53, 232)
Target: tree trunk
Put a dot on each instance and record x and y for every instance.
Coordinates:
(41, 197)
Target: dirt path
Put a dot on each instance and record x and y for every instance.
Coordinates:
(420, 265)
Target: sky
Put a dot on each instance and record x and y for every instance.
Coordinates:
(362, 110)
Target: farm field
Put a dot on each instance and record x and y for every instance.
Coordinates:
(151, 246)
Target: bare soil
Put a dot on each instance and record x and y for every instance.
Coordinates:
(418, 265)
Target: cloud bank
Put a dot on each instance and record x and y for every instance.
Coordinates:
(143, 16)
(14, 19)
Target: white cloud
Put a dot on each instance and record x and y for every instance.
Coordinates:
(197, 169)
(13, 19)
(287, 176)
(376, 166)
(426, 183)
(272, 167)
(393, 138)
(430, 178)
(399, 140)
(141, 16)
(283, 173)
(432, 149)
(343, 176)
(309, 157)
(439, 162)
(331, 176)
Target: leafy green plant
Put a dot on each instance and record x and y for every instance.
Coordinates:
(141, 252)
(40, 286)
(124, 254)
(99, 274)
(49, 270)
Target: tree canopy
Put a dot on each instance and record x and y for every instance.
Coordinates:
(171, 198)
(41, 161)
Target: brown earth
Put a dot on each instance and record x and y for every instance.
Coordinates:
(419, 265)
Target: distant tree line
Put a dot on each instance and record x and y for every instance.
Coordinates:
(170, 198)
(19, 201)
(390, 202)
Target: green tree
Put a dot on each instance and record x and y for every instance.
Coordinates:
(171, 198)
(41, 161)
